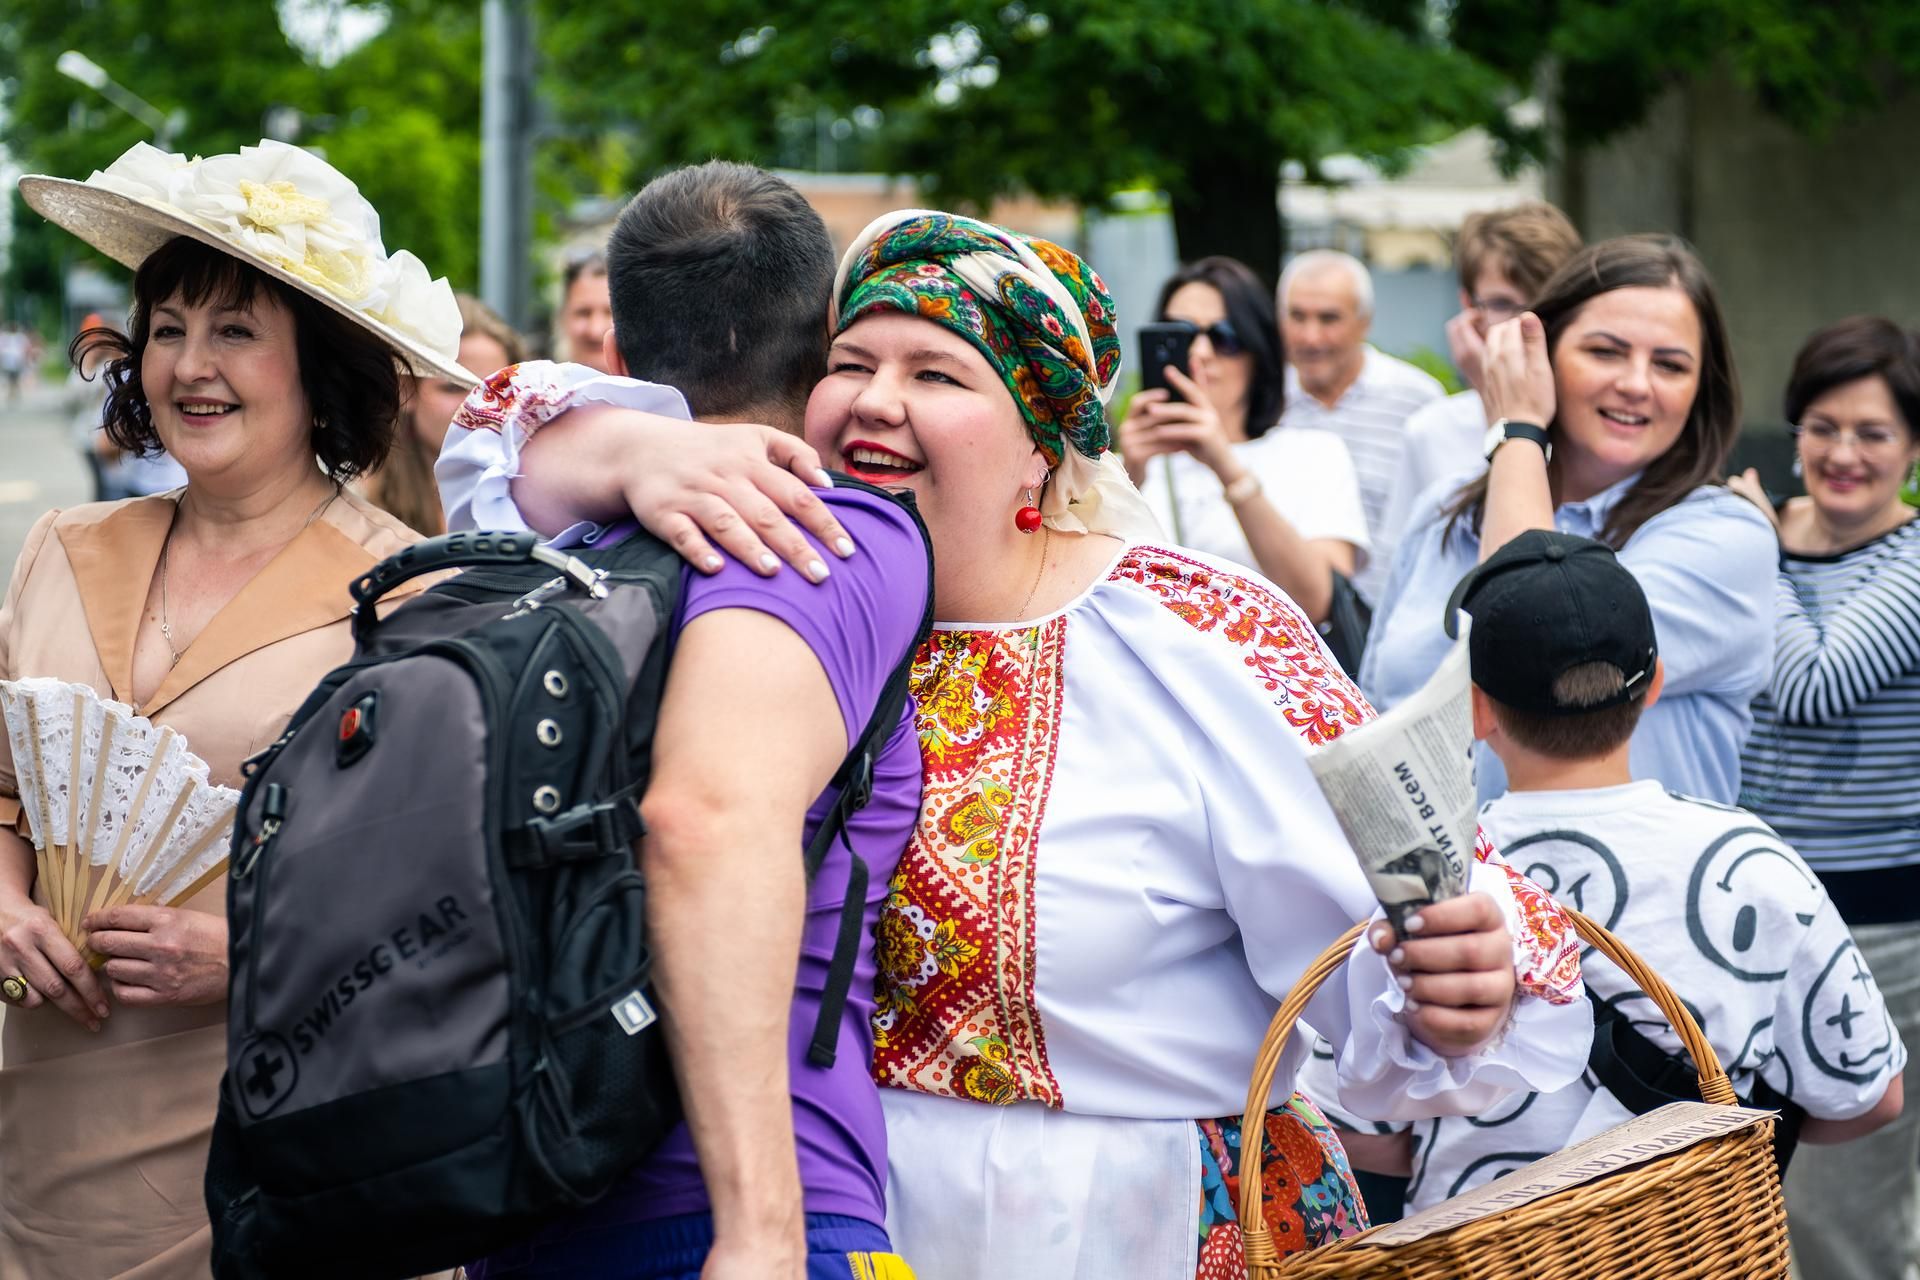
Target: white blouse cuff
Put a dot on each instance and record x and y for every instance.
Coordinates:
(1385, 1074)
(480, 459)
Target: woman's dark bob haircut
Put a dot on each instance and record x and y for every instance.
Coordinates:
(351, 377)
(1858, 347)
(1250, 310)
(1699, 456)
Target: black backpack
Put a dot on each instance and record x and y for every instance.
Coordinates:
(440, 1025)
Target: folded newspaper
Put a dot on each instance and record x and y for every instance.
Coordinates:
(1402, 787)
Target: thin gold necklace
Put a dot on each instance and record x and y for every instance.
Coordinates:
(1046, 545)
(166, 546)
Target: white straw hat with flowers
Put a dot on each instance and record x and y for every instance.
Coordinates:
(277, 208)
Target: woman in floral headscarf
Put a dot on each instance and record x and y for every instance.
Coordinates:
(268, 338)
(1122, 860)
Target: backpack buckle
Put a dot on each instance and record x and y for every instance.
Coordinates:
(860, 785)
(584, 831)
(633, 1012)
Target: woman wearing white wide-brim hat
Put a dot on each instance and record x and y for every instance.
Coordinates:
(269, 336)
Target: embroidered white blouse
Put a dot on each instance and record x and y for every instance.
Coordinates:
(1122, 863)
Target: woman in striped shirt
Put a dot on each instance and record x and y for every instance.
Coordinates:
(1835, 748)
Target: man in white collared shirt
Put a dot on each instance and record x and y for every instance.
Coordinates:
(1337, 382)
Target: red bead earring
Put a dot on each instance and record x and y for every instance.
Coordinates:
(1027, 519)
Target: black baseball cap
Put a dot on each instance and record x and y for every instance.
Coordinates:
(1548, 602)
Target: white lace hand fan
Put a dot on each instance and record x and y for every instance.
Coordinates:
(120, 810)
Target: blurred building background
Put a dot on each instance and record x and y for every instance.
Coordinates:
(1798, 231)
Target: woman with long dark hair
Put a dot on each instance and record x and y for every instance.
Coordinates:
(1218, 478)
(1612, 408)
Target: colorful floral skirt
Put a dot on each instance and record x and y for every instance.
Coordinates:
(1307, 1189)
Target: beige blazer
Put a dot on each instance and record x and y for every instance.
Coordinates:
(103, 1137)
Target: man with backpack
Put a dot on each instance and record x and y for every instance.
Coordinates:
(719, 276)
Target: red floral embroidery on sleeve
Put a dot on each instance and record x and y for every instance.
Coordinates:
(523, 397)
(488, 405)
(1546, 948)
(1279, 647)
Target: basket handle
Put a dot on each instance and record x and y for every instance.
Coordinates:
(1263, 1261)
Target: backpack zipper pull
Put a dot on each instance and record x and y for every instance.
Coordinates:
(535, 598)
(258, 761)
(273, 811)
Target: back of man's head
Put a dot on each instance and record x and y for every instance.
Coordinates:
(1570, 732)
(720, 276)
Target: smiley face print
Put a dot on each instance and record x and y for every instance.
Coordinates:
(1750, 902)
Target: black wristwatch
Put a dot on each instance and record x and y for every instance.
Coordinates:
(1506, 429)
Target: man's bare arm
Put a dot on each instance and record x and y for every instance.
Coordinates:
(749, 734)
(686, 482)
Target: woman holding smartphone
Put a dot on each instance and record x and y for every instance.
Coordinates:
(1199, 448)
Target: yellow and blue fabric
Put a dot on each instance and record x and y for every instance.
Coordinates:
(879, 1266)
(676, 1248)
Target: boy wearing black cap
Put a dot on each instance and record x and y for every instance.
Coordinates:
(1564, 660)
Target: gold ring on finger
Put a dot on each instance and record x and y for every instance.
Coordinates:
(15, 988)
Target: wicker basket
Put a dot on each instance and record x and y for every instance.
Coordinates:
(1709, 1210)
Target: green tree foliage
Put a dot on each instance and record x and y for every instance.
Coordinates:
(55, 125)
(405, 126)
(1072, 98)
(400, 115)
(1812, 64)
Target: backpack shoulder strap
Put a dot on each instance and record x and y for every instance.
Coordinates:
(1639, 1073)
(853, 782)
(1644, 1077)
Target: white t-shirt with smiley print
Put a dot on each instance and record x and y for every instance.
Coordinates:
(1736, 923)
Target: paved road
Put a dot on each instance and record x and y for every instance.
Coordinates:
(38, 468)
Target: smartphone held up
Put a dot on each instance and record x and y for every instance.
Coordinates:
(1163, 343)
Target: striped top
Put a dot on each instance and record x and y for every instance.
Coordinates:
(1836, 736)
(1371, 416)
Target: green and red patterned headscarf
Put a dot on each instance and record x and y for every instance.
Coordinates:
(1044, 321)
(1039, 314)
